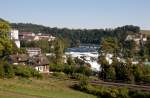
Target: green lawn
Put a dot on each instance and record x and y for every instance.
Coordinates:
(50, 88)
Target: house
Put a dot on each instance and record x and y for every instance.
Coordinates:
(33, 51)
(40, 63)
(13, 34)
(29, 36)
(138, 38)
(17, 59)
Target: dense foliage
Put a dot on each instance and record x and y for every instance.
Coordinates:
(109, 92)
(77, 36)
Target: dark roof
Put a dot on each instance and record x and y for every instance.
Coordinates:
(18, 57)
(25, 33)
(39, 60)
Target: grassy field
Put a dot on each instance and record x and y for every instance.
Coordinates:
(32, 88)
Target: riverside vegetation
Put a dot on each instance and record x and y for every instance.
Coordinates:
(67, 80)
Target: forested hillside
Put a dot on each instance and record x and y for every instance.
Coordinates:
(74, 36)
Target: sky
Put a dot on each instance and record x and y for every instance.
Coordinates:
(90, 14)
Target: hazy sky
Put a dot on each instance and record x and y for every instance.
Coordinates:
(78, 13)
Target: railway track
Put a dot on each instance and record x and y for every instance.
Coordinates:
(130, 86)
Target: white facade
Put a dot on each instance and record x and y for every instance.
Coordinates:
(14, 35)
(42, 69)
(33, 51)
(17, 42)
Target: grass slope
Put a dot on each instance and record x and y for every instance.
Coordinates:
(51, 88)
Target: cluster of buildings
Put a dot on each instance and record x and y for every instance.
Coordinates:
(29, 36)
(34, 56)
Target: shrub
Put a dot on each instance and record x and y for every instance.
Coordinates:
(139, 94)
(123, 93)
(69, 69)
(35, 73)
(84, 70)
(1, 71)
(26, 72)
(59, 74)
(56, 67)
(78, 76)
(83, 83)
(22, 71)
(9, 71)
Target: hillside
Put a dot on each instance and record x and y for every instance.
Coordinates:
(74, 36)
(32, 88)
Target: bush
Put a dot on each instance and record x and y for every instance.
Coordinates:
(56, 68)
(78, 76)
(26, 72)
(139, 94)
(69, 69)
(84, 70)
(102, 91)
(35, 73)
(1, 71)
(22, 71)
(9, 71)
(59, 74)
(123, 93)
(6, 70)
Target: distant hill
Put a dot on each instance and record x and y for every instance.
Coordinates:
(74, 36)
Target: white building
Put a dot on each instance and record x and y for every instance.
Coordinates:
(33, 51)
(14, 35)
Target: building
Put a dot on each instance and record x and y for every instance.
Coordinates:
(18, 59)
(40, 63)
(14, 35)
(138, 38)
(33, 51)
(29, 36)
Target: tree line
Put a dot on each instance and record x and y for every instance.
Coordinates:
(74, 36)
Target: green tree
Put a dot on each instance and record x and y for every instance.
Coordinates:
(104, 66)
(6, 45)
(59, 51)
(137, 72)
(109, 45)
(111, 74)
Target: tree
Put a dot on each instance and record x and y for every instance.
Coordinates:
(129, 49)
(109, 45)
(6, 45)
(59, 51)
(137, 72)
(104, 66)
(111, 74)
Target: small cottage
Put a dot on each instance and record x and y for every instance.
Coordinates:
(18, 59)
(40, 63)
